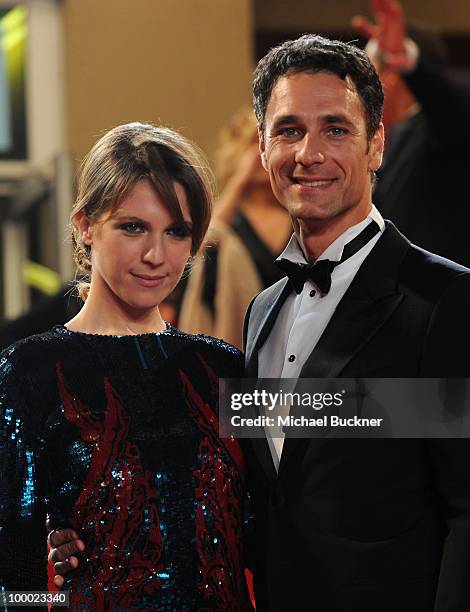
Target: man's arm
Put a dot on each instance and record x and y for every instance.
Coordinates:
(437, 93)
(64, 545)
(443, 101)
(389, 32)
(450, 460)
(445, 354)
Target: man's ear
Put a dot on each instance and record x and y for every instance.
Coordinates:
(262, 151)
(376, 149)
(84, 226)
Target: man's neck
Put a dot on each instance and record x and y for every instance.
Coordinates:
(314, 238)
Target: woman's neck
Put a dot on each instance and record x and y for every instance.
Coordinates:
(100, 318)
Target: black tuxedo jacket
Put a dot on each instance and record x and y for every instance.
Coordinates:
(370, 525)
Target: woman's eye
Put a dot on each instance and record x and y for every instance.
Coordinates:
(132, 228)
(179, 232)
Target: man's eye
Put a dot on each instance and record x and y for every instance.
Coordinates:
(132, 228)
(288, 131)
(337, 131)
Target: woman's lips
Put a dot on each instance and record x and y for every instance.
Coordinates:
(148, 280)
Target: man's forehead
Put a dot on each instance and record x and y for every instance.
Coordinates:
(304, 91)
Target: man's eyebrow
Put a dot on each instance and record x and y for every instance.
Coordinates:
(296, 119)
(336, 118)
(285, 120)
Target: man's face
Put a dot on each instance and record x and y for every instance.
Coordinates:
(315, 149)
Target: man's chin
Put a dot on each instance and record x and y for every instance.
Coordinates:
(313, 214)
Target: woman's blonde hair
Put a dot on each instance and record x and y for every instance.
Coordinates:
(123, 156)
(235, 138)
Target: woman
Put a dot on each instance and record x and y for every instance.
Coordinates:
(109, 423)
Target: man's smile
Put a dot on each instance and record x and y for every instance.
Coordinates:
(311, 182)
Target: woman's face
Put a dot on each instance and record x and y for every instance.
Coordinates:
(138, 252)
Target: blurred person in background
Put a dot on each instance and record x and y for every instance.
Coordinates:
(49, 311)
(109, 423)
(248, 230)
(422, 184)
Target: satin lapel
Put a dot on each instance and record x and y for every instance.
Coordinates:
(263, 318)
(353, 324)
(370, 300)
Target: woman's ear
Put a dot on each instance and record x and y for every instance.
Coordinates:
(84, 226)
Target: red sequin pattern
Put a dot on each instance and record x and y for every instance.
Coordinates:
(116, 498)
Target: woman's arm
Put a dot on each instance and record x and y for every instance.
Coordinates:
(23, 553)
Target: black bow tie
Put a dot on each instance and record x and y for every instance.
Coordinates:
(320, 271)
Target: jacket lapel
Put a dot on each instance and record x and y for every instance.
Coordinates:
(369, 302)
(353, 324)
(261, 322)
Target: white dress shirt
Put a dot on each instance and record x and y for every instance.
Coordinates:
(303, 318)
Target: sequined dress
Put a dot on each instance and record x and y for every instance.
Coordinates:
(118, 438)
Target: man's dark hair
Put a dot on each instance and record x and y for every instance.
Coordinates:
(313, 53)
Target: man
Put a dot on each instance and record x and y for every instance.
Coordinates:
(414, 189)
(349, 524)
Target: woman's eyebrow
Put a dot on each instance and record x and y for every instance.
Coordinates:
(126, 216)
(123, 216)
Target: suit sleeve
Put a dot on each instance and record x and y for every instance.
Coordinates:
(451, 463)
(440, 96)
(447, 341)
(446, 354)
(246, 323)
(23, 559)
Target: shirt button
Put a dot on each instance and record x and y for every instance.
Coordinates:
(291, 358)
(312, 292)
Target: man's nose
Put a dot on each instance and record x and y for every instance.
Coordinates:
(309, 151)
